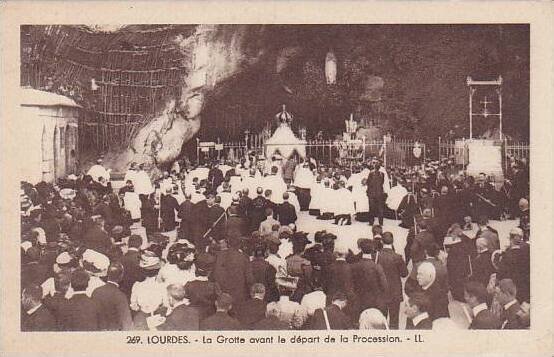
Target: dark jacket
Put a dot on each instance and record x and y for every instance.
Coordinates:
(249, 312)
(370, 284)
(33, 273)
(216, 221)
(186, 214)
(40, 320)
(97, 239)
(485, 320)
(482, 268)
(264, 273)
(220, 321)
(202, 295)
(114, 308)
(395, 269)
(182, 318)
(511, 319)
(131, 271)
(338, 320)
(270, 323)
(287, 214)
(375, 182)
(340, 279)
(421, 241)
(80, 314)
(233, 273)
(515, 265)
(168, 207)
(235, 226)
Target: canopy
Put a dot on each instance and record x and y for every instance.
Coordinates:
(284, 142)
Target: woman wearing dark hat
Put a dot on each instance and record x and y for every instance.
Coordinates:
(180, 265)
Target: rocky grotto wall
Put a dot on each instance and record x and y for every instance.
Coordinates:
(147, 90)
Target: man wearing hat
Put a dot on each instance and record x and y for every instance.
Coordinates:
(216, 218)
(221, 321)
(515, 264)
(395, 269)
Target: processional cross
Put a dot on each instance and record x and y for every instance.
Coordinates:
(485, 111)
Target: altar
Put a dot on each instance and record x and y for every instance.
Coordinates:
(283, 141)
(485, 156)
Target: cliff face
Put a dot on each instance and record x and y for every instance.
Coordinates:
(147, 90)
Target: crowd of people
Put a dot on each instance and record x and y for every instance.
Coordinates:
(217, 247)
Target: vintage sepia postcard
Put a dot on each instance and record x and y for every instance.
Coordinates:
(309, 177)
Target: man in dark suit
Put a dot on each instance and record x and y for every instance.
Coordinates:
(286, 211)
(81, 312)
(370, 283)
(511, 315)
(332, 317)
(35, 316)
(216, 218)
(252, 310)
(232, 271)
(340, 279)
(33, 272)
(112, 302)
(215, 176)
(271, 320)
(375, 194)
(168, 207)
(264, 273)
(221, 321)
(186, 214)
(182, 317)
(200, 225)
(476, 297)
(257, 210)
(130, 261)
(515, 265)
(417, 307)
(395, 269)
(423, 239)
(201, 292)
(96, 238)
(481, 266)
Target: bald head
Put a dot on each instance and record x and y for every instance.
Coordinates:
(481, 245)
(426, 274)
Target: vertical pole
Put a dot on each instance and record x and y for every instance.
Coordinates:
(218, 151)
(363, 148)
(439, 158)
(499, 91)
(506, 156)
(384, 151)
(470, 113)
(464, 152)
(197, 151)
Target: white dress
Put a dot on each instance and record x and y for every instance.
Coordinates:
(148, 294)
